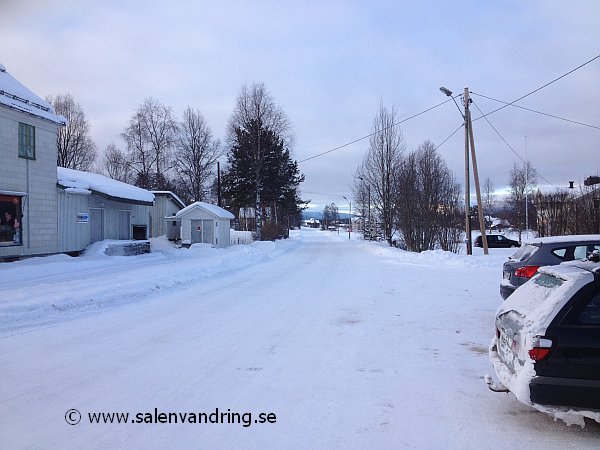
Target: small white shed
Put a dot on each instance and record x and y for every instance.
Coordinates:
(204, 223)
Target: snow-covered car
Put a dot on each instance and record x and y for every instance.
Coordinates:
(546, 349)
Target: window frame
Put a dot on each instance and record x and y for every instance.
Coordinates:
(11, 235)
(26, 142)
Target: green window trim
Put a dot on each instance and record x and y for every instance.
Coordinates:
(26, 141)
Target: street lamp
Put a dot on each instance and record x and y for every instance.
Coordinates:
(349, 217)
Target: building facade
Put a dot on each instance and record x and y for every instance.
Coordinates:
(28, 200)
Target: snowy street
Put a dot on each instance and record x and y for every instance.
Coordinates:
(338, 343)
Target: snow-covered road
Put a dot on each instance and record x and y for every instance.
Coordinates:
(346, 344)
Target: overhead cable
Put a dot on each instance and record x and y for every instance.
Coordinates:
(374, 133)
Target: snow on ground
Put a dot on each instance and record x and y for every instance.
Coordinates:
(348, 344)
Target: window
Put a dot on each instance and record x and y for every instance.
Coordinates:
(582, 251)
(26, 141)
(591, 313)
(10, 220)
(560, 252)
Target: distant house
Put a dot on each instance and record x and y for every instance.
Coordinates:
(93, 207)
(312, 223)
(28, 151)
(205, 223)
(166, 205)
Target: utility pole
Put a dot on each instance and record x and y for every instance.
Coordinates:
(476, 177)
(469, 138)
(218, 183)
(467, 176)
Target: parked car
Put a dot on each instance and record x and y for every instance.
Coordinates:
(546, 349)
(496, 241)
(546, 251)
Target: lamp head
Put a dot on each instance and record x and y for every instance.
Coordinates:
(446, 91)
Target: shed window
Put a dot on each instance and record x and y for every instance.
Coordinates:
(26, 141)
(10, 220)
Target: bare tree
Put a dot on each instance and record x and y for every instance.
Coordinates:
(488, 200)
(381, 166)
(554, 212)
(150, 137)
(195, 156)
(116, 165)
(520, 200)
(255, 116)
(76, 150)
(428, 201)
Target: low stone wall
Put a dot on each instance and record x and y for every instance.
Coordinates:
(128, 248)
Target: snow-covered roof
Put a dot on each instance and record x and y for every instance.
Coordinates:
(76, 181)
(14, 95)
(215, 210)
(172, 195)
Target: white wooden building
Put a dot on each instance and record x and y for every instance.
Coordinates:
(28, 153)
(205, 223)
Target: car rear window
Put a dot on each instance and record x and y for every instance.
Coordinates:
(547, 281)
(524, 252)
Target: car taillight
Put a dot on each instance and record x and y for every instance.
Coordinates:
(526, 271)
(541, 349)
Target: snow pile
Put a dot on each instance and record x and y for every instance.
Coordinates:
(47, 296)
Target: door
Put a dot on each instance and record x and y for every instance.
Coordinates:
(208, 231)
(124, 224)
(96, 225)
(202, 231)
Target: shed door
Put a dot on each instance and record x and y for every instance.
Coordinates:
(96, 225)
(208, 231)
(124, 225)
(202, 231)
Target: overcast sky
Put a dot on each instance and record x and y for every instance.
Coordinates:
(329, 64)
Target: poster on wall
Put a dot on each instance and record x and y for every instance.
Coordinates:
(83, 218)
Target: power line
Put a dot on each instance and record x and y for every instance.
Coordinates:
(448, 138)
(509, 146)
(544, 86)
(537, 112)
(374, 133)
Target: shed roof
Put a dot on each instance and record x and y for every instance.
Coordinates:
(77, 181)
(169, 194)
(214, 210)
(15, 95)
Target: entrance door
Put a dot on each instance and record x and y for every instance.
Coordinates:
(207, 231)
(202, 231)
(124, 225)
(96, 225)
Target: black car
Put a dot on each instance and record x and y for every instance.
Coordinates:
(546, 349)
(546, 251)
(496, 241)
